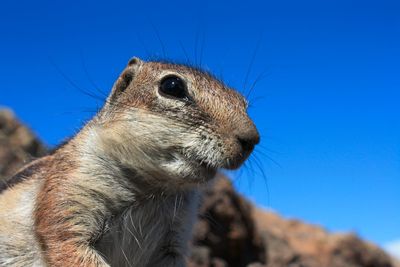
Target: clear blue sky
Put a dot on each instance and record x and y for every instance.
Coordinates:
(328, 107)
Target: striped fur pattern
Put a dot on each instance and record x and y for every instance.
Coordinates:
(124, 191)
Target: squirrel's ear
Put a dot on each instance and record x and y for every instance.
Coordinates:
(135, 61)
(125, 78)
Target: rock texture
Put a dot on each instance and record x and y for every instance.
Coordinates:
(226, 230)
(309, 245)
(230, 232)
(18, 144)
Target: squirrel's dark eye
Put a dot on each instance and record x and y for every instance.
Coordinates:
(173, 86)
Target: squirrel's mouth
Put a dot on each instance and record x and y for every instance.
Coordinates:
(200, 166)
(190, 167)
(208, 167)
(204, 165)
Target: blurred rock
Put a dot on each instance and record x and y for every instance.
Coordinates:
(243, 235)
(226, 226)
(230, 231)
(18, 145)
(313, 246)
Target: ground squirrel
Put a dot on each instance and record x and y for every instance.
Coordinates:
(124, 190)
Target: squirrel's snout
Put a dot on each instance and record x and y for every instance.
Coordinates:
(248, 139)
(248, 144)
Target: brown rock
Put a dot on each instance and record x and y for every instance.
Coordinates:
(309, 245)
(243, 235)
(18, 145)
(226, 226)
(200, 257)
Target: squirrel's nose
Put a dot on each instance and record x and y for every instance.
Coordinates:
(248, 138)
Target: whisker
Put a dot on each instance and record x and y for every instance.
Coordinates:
(86, 92)
(263, 147)
(159, 40)
(263, 175)
(268, 157)
(252, 62)
(184, 52)
(261, 76)
(73, 84)
(253, 100)
(88, 76)
(140, 41)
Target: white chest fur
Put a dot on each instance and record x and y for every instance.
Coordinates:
(152, 233)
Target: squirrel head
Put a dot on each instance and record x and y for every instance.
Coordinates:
(175, 122)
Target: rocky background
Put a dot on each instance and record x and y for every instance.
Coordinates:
(230, 231)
